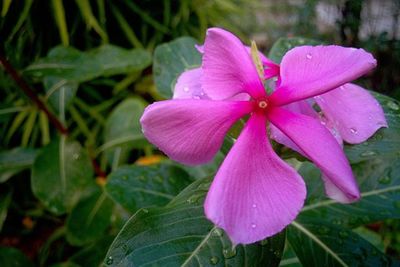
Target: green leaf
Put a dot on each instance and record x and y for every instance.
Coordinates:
(12, 257)
(385, 143)
(60, 175)
(92, 254)
(284, 44)
(320, 244)
(73, 65)
(136, 187)
(123, 130)
(59, 92)
(89, 218)
(5, 200)
(15, 160)
(170, 60)
(180, 235)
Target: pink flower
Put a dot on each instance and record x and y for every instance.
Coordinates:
(255, 194)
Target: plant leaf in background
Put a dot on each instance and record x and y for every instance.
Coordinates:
(74, 65)
(123, 131)
(14, 161)
(12, 257)
(90, 218)
(180, 235)
(136, 187)
(61, 174)
(5, 200)
(170, 60)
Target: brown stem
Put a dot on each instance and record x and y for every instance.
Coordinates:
(31, 94)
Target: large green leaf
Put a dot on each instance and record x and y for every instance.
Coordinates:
(123, 130)
(136, 187)
(320, 244)
(89, 218)
(60, 175)
(73, 65)
(12, 257)
(170, 60)
(15, 160)
(180, 235)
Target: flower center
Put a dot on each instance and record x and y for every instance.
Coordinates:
(262, 104)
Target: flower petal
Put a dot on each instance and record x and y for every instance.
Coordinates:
(228, 68)
(188, 85)
(355, 112)
(301, 107)
(308, 71)
(191, 131)
(317, 144)
(255, 194)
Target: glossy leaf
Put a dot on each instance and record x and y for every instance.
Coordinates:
(15, 160)
(123, 130)
(320, 244)
(12, 257)
(60, 175)
(74, 65)
(180, 235)
(89, 218)
(170, 60)
(136, 187)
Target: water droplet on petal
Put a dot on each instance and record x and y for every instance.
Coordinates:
(309, 56)
(214, 260)
(186, 89)
(196, 97)
(253, 225)
(342, 88)
(254, 205)
(353, 130)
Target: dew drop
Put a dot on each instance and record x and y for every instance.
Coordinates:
(342, 88)
(309, 56)
(353, 131)
(254, 205)
(253, 225)
(75, 156)
(109, 260)
(186, 89)
(145, 210)
(196, 97)
(277, 253)
(392, 105)
(214, 260)
(368, 154)
(229, 252)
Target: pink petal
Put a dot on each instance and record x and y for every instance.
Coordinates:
(308, 71)
(255, 194)
(355, 112)
(317, 144)
(228, 68)
(302, 107)
(191, 131)
(188, 85)
(334, 192)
